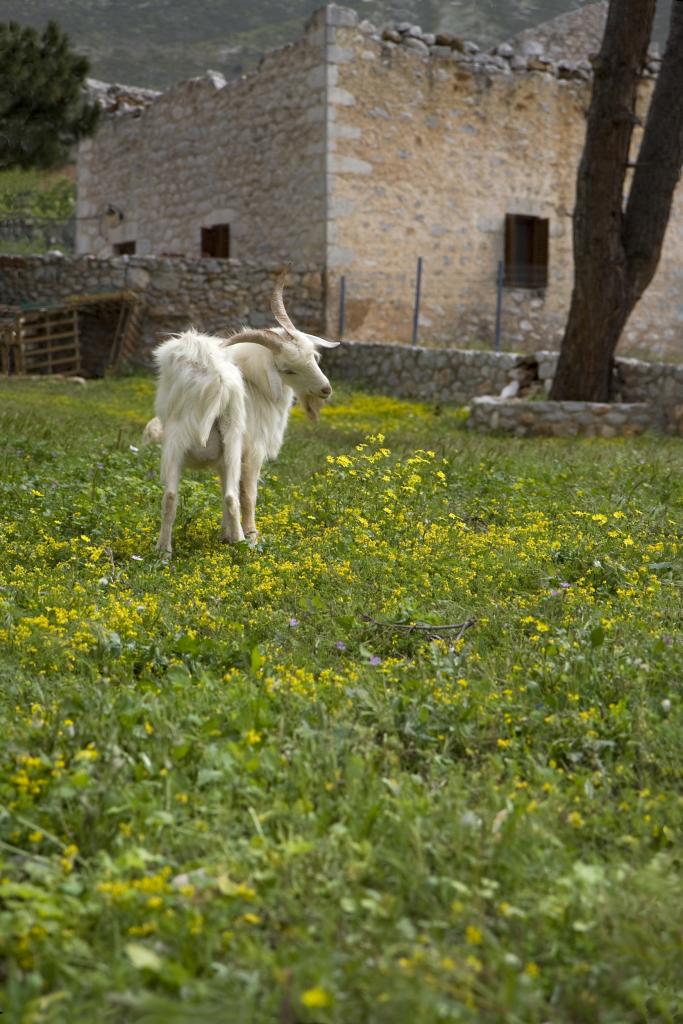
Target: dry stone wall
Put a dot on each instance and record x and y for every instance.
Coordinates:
(425, 374)
(564, 419)
(212, 295)
(646, 395)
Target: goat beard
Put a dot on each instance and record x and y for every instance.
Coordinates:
(312, 406)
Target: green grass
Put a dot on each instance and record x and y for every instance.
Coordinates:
(226, 794)
(44, 199)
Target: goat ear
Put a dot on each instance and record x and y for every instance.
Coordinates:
(322, 342)
(267, 339)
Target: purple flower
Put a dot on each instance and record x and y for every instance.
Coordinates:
(375, 660)
(294, 623)
(340, 645)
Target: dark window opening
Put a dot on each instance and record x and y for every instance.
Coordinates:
(124, 248)
(216, 241)
(526, 251)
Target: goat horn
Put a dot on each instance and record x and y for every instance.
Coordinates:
(268, 339)
(277, 305)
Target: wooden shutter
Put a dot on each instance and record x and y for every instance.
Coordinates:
(539, 251)
(510, 240)
(526, 251)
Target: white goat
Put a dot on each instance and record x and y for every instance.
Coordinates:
(223, 403)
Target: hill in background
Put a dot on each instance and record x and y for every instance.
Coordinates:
(156, 42)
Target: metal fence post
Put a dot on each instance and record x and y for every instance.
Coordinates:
(499, 301)
(342, 306)
(418, 289)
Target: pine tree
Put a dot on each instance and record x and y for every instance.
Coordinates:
(43, 109)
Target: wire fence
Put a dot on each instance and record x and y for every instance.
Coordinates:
(24, 234)
(527, 276)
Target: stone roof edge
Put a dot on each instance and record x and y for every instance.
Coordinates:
(502, 59)
(213, 79)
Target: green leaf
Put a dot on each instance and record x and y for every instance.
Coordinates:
(257, 659)
(143, 958)
(597, 636)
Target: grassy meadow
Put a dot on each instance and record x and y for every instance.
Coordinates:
(240, 788)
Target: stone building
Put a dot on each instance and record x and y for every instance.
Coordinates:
(352, 152)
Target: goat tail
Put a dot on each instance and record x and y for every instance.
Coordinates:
(197, 384)
(153, 432)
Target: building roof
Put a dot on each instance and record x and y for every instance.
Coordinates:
(570, 36)
(116, 99)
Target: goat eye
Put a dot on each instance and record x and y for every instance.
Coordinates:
(290, 373)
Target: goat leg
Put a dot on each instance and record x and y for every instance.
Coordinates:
(248, 491)
(169, 503)
(231, 529)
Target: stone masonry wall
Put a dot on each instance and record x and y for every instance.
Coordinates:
(425, 374)
(563, 419)
(461, 376)
(249, 153)
(212, 295)
(431, 143)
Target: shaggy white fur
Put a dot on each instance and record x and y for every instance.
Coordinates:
(223, 403)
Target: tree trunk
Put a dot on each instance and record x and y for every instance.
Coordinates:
(615, 252)
(659, 164)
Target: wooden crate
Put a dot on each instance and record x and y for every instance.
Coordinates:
(88, 334)
(49, 341)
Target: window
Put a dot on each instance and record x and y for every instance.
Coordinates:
(216, 241)
(526, 251)
(124, 248)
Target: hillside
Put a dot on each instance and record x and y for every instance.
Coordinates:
(156, 42)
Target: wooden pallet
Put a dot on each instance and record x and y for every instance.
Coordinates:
(49, 341)
(84, 333)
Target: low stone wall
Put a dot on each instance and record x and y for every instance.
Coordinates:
(564, 419)
(634, 379)
(220, 295)
(210, 294)
(425, 374)
(459, 375)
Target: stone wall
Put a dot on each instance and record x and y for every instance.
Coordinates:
(563, 419)
(425, 374)
(431, 143)
(249, 153)
(212, 295)
(459, 376)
